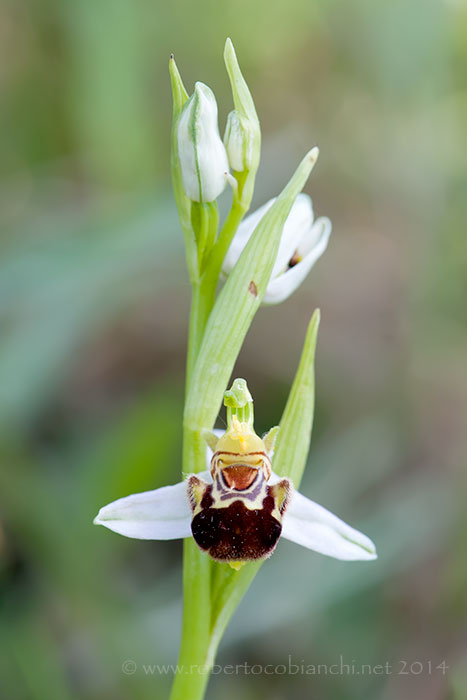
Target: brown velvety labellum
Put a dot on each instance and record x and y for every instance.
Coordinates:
(236, 533)
(239, 476)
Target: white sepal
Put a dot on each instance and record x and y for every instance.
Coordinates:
(162, 514)
(314, 527)
(202, 155)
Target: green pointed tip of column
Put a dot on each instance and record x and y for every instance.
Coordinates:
(239, 403)
(238, 395)
(179, 94)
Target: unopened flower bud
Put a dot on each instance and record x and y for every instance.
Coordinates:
(239, 141)
(202, 155)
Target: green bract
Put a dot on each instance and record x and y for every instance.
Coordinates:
(243, 134)
(234, 310)
(293, 441)
(180, 96)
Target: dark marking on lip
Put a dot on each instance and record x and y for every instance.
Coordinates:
(236, 533)
(268, 503)
(295, 259)
(253, 289)
(207, 499)
(249, 495)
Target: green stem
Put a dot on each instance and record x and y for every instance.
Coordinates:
(192, 673)
(201, 305)
(221, 246)
(199, 637)
(204, 288)
(227, 589)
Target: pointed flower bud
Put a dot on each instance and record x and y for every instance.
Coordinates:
(203, 159)
(239, 140)
(243, 135)
(303, 241)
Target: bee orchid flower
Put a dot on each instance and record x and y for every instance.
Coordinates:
(238, 508)
(303, 241)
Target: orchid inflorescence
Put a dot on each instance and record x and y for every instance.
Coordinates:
(239, 492)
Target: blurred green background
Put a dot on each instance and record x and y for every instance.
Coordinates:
(93, 306)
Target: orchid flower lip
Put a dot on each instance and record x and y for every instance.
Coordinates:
(165, 514)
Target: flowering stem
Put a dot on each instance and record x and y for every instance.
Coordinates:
(204, 287)
(201, 304)
(228, 588)
(192, 671)
(226, 235)
(192, 675)
(199, 640)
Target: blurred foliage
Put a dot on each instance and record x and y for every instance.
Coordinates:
(93, 307)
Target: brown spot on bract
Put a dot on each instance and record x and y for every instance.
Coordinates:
(253, 289)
